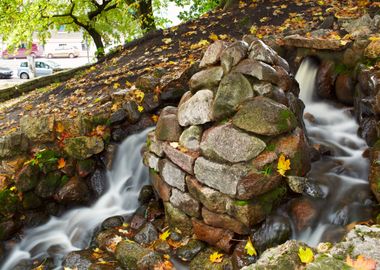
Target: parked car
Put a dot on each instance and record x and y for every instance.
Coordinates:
(42, 69)
(23, 52)
(5, 73)
(63, 51)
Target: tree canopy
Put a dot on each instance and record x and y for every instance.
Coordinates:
(102, 20)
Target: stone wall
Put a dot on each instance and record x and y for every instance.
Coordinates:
(216, 159)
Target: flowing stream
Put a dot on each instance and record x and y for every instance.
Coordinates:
(73, 230)
(342, 178)
(343, 175)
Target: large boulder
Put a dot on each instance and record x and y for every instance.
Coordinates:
(258, 70)
(206, 79)
(13, 144)
(191, 138)
(178, 220)
(83, 147)
(233, 90)
(213, 53)
(227, 143)
(233, 54)
(264, 116)
(74, 191)
(167, 128)
(261, 52)
(196, 110)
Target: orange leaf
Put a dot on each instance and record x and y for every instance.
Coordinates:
(361, 263)
(59, 128)
(61, 163)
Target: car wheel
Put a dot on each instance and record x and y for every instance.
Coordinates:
(50, 56)
(71, 55)
(24, 76)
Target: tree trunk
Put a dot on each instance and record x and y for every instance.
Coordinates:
(97, 38)
(147, 22)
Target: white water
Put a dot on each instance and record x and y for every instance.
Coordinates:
(73, 230)
(342, 177)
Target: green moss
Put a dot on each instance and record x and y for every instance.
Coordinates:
(271, 198)
(286, 120)
(341, 69)
(271, 147)
(8, 202)
(267, 170)
(148, 142)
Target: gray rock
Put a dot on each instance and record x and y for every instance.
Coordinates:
(112, 222)
(98, 182)
(172, 175)
(151, 160)
(284, 256)
(191, 138)
(360, 27)
(132, 113)
(196, 110)
(83, 147)
(118, 117)
(154, 145)
(265, 117)
(13, 144)
(222, 177)
(233, 90)
(80, 260)
(259, 70)
(262, 88)
(190, 250)
(213, 53)
(206, 79)
(261, 52)
(147, 234)
(313, 190)
(38, 129)
(184, 160)
(167, 128)
(230, 144)
(223, 221)
(185, 203)
(296, 183)
(178, 220)
(233, 54)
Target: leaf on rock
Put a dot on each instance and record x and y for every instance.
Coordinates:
(283, 165)
(216, 257)
(251, 251)
(306, 255)
(165, 235)
(61, 163)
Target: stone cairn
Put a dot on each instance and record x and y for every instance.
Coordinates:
(213, 160)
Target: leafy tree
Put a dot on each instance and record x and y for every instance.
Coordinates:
(199, 7)
(102, 20)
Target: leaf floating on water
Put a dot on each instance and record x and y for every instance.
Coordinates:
(283, 165)
(361, 263)
(216, 257)
(251, 251)
(306, 255)
(165, 235)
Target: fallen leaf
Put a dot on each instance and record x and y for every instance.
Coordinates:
(165, 235)
(361, 263)
(213, 37)
(306, 255)
(61, 163)
(167, 40)
(216, 257)
(251, 251)
(283, 165)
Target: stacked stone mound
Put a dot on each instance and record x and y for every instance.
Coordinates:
(213, 160)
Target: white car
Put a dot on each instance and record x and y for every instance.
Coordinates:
(42, 69)
(63, 51)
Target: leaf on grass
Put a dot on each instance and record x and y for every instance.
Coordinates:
(361, 263)
(61, 163)
(216, 257)
(306, 255)
(283, 165)
(251, 251)
(165, 235)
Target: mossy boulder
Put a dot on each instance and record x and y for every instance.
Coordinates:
(178, 221)
(38, 129)
(49, 184)
(132, 256)
(31, 201)
(9, 202)
(83, 147)
(264, 116)
(27, 178)
(202, 261)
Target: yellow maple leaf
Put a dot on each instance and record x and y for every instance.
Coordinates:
(165, 235)
(61, 163)
(213, 37)
(361, 263)
(251, 251)
(140, 108)
(283, 165)
(116, 85)
(306, 255)
(216, 257)
(253, 29)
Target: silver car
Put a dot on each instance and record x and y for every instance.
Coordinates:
(42, 69)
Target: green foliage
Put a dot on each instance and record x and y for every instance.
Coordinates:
(197, 7)
(44, 158)
(267, 170)
(341, 69)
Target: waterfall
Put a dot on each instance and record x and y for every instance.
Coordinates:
(343, 175)
(73, 230)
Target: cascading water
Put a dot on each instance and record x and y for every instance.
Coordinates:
(342, 176)
(73, 230)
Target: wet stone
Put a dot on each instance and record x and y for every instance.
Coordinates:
(132, 113)
(313, 190)
(178, 220)
(161, 187)
(118, 117)
(223, 221)
(98, 182)
(146, 194)
(187, 252)
(185, 202)
(85, 167)
(74, 191)
(80, 260)
(112, 222)
(240, 258)
(202, 261)
(147, 234)
(27, 178)
(296, 183)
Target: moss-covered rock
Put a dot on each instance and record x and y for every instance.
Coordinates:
(27, 178)
(31, 201)
(202, 262)
(264, 116)
(83, 147)
(49, 184)
(178, 221)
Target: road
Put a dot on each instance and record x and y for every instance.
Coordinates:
(15, 63)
